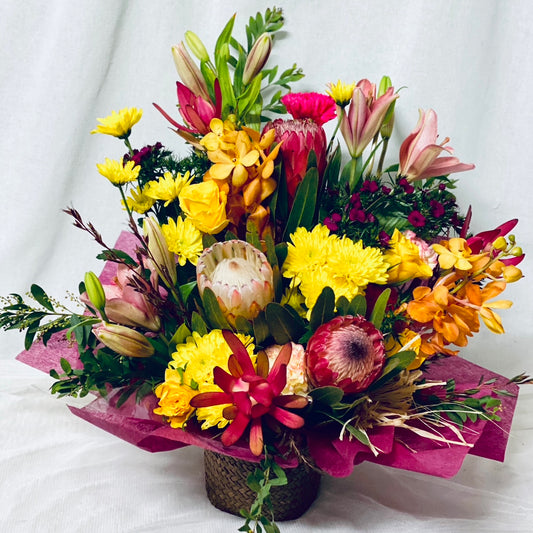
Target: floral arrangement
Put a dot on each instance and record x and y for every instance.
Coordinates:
(278, 300)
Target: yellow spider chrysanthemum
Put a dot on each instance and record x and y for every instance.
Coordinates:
(196, 358)
(308, 251)
(167, 187)
(119, 124)
(118, 173)
(139, 202)
(183, 239)
(341, 92)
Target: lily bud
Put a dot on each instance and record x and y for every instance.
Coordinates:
(388, 122)
(384, 85)
(124, 340)
(197, 46)
(164, 260)
(500, 243)
(189, 72)
(257, 57)
(95, 291)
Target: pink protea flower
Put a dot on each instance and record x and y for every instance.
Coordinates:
(239, 275)
(253, 393)
(419, 153)
(365, 116)
(346, 352)
(303, 134)
(196, 111)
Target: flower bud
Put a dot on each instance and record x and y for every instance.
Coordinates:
(257, 57)
(388, 121)
(384, 85)
(95, 291)
(500, 243)
(511, 274)
(124, 340)
(197, 46)
(517, 251)
(164, 260)
(189, 72)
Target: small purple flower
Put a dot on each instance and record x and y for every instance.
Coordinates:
(332, 222)
(406, 186)
(417, 219)
(357, 215)
(437, 209)
(385, 190)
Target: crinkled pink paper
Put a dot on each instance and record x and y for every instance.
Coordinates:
(400, 448)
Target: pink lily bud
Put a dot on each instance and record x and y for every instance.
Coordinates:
(189, 72)
(365, 116)
(257, 58)
(419, 153)
(124, 340)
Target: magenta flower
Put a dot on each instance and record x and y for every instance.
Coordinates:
(346, 352)
(416, 219)
(482, 242)
(365, 116)
(320, 108)
(419, 153)
(302, 134)
(252, 394)
(196, 111)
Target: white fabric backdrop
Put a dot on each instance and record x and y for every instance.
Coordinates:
(64, 63)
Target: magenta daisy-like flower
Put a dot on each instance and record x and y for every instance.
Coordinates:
(252, 393)
(346, 352)
(320, 108)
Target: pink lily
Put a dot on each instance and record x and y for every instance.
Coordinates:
(125, 305)
(252, 393)
(365, 116)
(419, 153)
(196, 111)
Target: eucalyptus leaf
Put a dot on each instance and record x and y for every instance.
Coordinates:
(324, 308)
(282, 324)
(378, 313)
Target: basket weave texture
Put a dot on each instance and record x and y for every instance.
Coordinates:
(225, 481)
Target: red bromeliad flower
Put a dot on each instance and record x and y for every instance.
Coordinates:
(346, 352)
(252, 393)
(303, 134)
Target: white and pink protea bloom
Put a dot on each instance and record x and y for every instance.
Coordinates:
(347, 352)
(240, 277)
(419, 153)
(365, 116)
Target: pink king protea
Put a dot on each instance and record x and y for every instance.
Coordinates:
(303, 134)
(346, 352)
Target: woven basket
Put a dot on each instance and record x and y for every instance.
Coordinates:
(225, 481)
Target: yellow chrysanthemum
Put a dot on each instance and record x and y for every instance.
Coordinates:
(117, 173)
(341, 92)
(119, 124)
(197, 357)
(174, 399)
(138, 201)
(308, 251)
(352, 267)
(167, 187)
(183, 239)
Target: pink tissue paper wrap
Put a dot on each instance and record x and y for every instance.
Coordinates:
(400, 448)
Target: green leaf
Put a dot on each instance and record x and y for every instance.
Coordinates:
(114, 254)
(65, 365)
(250, 95)
(41, 297)
(303, 208)
(198, 324)
(395, 364)
(324, 308)
(342, 305)
(181, 334)
(260, 326)
(331, 174)
(327, 395)
(213, 313)
(186, 289)
(242, 325)
(357, 306)
(351, 174)
(359, 434)
(283, 325)
(380, 306)
(208, 240)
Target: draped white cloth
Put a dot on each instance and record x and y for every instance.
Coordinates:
(62, 64)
